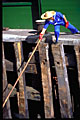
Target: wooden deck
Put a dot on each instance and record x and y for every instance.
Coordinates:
(30, 36)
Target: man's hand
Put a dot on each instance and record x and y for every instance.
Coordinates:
(67, 24)
(40, 36)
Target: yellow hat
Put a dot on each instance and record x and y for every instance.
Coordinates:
(48, 14)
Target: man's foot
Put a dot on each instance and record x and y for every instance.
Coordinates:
(78, 32)
(56, 42)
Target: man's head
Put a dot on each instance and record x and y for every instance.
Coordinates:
(48, 15)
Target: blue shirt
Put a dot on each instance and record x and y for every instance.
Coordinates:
(58, 20)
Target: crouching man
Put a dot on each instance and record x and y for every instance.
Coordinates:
(57, 19)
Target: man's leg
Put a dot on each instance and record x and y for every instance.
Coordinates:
(73, 29)
(57, 31)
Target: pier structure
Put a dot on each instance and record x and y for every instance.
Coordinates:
(51, 78)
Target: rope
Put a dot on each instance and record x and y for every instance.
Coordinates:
(21, 73)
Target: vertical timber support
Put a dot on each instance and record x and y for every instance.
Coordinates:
(6, 109)
(77, 52)
(46, 80)
(23, 104)
(63, 85)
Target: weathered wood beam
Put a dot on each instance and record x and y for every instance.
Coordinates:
(30, 36)
(31, 93)
(46, 80)
(23, 104)
(31, 68)
(63, 85)
(6, 109)
(9, 65)
(77, 52)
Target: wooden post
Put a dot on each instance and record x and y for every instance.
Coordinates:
(46, 80)
(6, 109)
(77, 52)
(23, 104)
(63, 85)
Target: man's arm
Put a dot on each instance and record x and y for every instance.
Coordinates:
(44, 29)
(66, 22)
(65, 19)
(42, 33)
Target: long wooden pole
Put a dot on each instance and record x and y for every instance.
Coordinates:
(21, 72)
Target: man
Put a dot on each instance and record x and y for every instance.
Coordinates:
(56, 19)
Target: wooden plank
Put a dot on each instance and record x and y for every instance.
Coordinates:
(46, 80)
(6, 109)
(31, 68)
(63, 85)
(31, 93)
(77, 52)
(9, 65)
(30, 36)
(23, 104)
